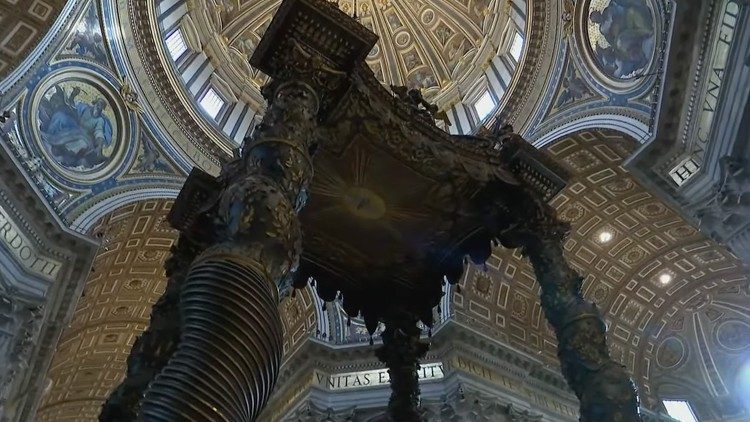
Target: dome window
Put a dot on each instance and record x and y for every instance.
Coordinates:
(516, 47)
(485, 105)
(212, 103)
(176, 45)
(680, 410)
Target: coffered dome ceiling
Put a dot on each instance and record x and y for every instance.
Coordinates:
(672, 299)
(432, 44)
(22, 25)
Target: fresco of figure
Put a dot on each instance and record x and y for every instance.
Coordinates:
(627, 26)
(87, 39)
(75, 132)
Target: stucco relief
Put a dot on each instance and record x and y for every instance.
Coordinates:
(733, 335)
(19, 328)
(671, 352)
(702, 355)
(726, 209)
(423, 44)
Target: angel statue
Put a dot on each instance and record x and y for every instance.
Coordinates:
(76, 132)
(414, 98)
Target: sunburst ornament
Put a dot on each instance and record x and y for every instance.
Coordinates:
(355, 195)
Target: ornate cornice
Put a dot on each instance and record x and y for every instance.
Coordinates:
(453, 340)
(702, 122)
(684, 65)
(532, 76)
(76, 253)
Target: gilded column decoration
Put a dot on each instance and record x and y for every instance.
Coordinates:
(240, 242)
(520, 217)
(602, 385)
(155, 346)
(401, 351)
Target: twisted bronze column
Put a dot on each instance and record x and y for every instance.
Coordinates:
(155, 346)
(602, 385)
(519, 216)
(230, 336)
(401, 351)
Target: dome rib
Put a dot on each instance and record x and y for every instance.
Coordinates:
(390, 57)
(436, 63)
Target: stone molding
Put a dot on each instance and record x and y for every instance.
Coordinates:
(43, 317)
(450, 342)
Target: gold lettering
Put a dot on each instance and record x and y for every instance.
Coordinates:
(24, 251)
(382, 379)
(512, 385)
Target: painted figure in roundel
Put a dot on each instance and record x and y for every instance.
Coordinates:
(75, 122)
(622, 36)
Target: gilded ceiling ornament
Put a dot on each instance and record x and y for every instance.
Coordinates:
(130, 97)
(422, 44)
(567, 16)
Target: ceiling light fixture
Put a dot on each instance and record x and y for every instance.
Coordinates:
(665, 279)
(605, 236)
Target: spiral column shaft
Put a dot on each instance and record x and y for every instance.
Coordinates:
(154, 347)
(401, 351)
(225, 366)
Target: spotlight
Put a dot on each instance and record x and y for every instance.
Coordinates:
(665, 279)
(605, 236)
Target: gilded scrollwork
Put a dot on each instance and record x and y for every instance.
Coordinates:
(257, 222)
(401, 351)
